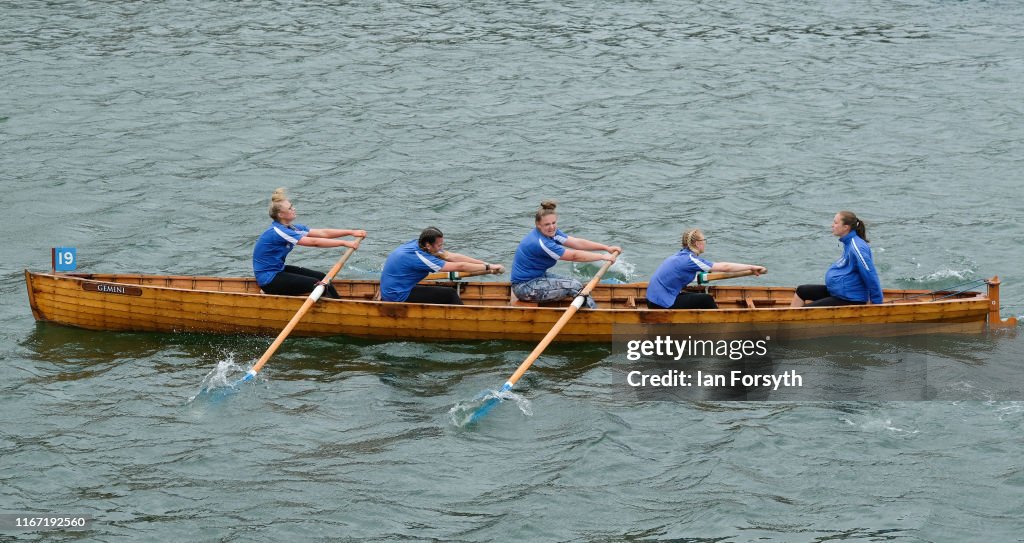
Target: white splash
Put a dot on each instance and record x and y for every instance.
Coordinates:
(220, 377)
(941, 275)
(876, 425)
(620, 271)
(627, 270)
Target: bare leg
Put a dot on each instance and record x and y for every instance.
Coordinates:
(797, 302)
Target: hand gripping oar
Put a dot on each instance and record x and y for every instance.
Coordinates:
(313, 297)
(569, 312)
(707, 277)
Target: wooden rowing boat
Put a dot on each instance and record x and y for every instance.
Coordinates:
(235, 305)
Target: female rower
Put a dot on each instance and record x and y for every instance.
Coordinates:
(541, 249)
(665, 289)
(411, 262)
(273, 246)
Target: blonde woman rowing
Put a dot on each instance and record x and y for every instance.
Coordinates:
(273, 246)
(665, 289)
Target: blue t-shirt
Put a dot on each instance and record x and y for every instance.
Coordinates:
(673, 274)
(536, 254)
(272, 248)
(406, 266)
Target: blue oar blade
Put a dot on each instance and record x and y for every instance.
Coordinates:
(464, 414)
(483, 410)
(212, 396)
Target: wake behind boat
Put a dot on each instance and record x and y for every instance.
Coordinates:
(235, 305)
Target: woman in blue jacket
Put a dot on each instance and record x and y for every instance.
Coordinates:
(851, 280)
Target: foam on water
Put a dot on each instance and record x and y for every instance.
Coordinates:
(941, 275)
(877, 425)
(623, 270)
(620, 271)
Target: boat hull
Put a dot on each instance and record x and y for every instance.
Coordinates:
(235, 306)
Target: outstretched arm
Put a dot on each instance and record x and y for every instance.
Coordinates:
(734, 267)
(573, 255)
(580, 250)
(463, 263)
(456, 257)
(587, 245)
(310, 241)
(335, 233)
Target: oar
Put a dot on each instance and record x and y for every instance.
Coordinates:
(455, 276)
(569, 312)
(707, 277)
(313, 297)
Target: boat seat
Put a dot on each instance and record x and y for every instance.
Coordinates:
(754, 303)
(516, 302)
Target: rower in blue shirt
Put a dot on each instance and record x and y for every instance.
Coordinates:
(411, 262)
(541, 249)
(273, 246)
(665, 290)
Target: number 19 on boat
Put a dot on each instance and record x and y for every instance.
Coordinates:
(63, 259)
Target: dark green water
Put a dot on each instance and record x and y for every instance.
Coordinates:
(150, 135)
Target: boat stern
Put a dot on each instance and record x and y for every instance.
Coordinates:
(995, 320)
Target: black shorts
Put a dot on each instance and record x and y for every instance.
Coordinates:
(433, 295)
(688, 300)
(293, 281)
(820, 296)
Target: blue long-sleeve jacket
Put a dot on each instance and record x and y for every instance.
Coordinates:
(854, 277)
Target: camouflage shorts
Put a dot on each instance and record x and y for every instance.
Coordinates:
(550, 287)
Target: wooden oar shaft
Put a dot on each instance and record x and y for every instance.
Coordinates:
(313, 297)
(535, 354)
(283, 335)
(577, 302)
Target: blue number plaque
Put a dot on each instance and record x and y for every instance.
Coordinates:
(64, 259)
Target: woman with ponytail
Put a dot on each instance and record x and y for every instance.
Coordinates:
(851, 280)
(273, 246)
